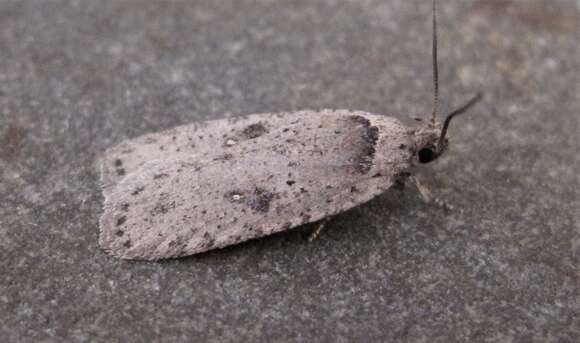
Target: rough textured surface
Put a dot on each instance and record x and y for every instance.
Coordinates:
(77, 77)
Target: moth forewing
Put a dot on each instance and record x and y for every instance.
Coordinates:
(233, 180)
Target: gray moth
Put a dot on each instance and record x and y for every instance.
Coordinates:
(211, 184)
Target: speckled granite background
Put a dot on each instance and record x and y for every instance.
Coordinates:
(502, 265)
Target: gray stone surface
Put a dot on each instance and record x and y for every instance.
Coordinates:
(502, 265)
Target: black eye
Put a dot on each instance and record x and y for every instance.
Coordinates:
(426, 155)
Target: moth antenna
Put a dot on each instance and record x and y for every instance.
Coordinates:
(451, 115)
(435, 66)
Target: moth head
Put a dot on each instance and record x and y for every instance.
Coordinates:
(431, 139)
(426, 139)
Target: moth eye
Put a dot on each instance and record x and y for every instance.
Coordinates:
(426, 155)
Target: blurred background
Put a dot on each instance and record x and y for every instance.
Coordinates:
(499, 263)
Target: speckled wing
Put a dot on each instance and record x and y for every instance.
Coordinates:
(208, 185)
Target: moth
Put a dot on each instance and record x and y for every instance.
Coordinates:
(211, 184)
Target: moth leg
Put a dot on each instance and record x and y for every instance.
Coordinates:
(423, 190)
(428, 197)
(314, 234)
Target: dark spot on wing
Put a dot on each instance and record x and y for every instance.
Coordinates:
(121, 220)
(209, 241)
(280, 149)
(224, 157)
(125, 207)
(159, 176)
(365, 147)
(138, 190)
(118, 162)
(119, 233)
(260, 200)
(290, 182)
(254, 130)
(127, 244)
(359, 120)
(121, 171)
(162, 208)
